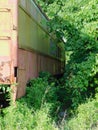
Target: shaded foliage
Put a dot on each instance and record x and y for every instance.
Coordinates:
(77, 22)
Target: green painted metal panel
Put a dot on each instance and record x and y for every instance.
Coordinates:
(31, 35)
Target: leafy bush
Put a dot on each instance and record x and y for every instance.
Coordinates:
(86, 117)
(81, 69)
(37, 110)
(76, 21)
(17, 117)
(20, 117)
(41, 91)
(32, 112)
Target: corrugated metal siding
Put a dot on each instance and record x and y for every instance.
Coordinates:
(30, 64)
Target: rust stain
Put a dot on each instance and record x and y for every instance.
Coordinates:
(5, 72)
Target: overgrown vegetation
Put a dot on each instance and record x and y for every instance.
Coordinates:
(36, 110)
(41, 109)
(76, 23)
(86, 117)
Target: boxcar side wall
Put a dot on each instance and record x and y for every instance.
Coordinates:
(26, 48)
(37, 49)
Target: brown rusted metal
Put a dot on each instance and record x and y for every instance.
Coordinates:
(6, 76)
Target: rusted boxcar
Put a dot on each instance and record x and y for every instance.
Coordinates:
(26, 47)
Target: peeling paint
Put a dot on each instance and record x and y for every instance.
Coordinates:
(5, 72)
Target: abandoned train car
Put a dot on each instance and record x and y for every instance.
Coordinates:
(26, 47)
